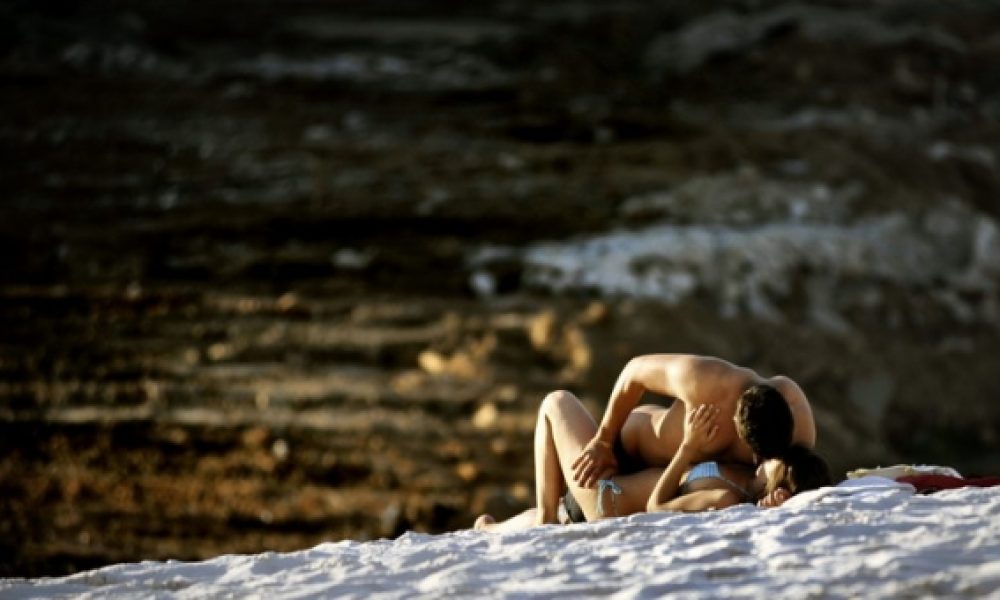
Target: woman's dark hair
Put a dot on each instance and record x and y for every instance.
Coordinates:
(764, 421)
(803, 470)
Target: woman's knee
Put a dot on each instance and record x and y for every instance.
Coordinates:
(557, 401)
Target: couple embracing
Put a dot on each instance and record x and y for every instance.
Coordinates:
(730, 436)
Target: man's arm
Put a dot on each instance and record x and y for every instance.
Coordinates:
(642, 373)
(675, 375)
(597, 460)
(680, 376)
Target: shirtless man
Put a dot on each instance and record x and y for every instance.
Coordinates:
(757, 417)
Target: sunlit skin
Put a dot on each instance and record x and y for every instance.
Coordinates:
(700, 429)
(654, 434)
(761, 480)
(568, 441)
(562, 427)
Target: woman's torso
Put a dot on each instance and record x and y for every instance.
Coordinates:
(636, 487)
(711, 475)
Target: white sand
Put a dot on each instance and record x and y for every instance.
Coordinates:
(865, 538)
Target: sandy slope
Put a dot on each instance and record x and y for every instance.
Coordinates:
(868, 538)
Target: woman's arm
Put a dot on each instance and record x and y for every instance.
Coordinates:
(699, 429)
(666, 488)
(702, 500)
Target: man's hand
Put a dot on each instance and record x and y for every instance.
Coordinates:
(700, 427)
(596, 461)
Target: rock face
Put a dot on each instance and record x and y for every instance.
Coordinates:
(727, 33)
(803, 267)
(306, 274)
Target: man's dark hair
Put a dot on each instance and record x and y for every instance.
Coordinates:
(804, 470)
(764, 421)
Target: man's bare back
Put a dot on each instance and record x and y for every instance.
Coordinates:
(654, 433)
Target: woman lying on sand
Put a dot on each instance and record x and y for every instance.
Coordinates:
(687, 484)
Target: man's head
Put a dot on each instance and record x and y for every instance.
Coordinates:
(764, 421)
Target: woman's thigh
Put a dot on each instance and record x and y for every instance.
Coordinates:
(572, 428)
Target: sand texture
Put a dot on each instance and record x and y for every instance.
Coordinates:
(865, 538)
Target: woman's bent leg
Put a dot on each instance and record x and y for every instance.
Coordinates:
(563, 428)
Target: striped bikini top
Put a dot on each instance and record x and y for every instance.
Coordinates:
(710, 470)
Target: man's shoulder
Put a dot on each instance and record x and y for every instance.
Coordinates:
(805, 424)
(714, 370)
(789, 389)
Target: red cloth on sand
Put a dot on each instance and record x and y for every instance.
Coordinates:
(933, 483)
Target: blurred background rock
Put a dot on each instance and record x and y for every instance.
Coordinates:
(276, 273)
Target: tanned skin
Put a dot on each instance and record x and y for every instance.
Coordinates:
(654, 434)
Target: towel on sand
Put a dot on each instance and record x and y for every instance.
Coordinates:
(926, 484)
(925, 478)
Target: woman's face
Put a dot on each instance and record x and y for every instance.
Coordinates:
(770, 470)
